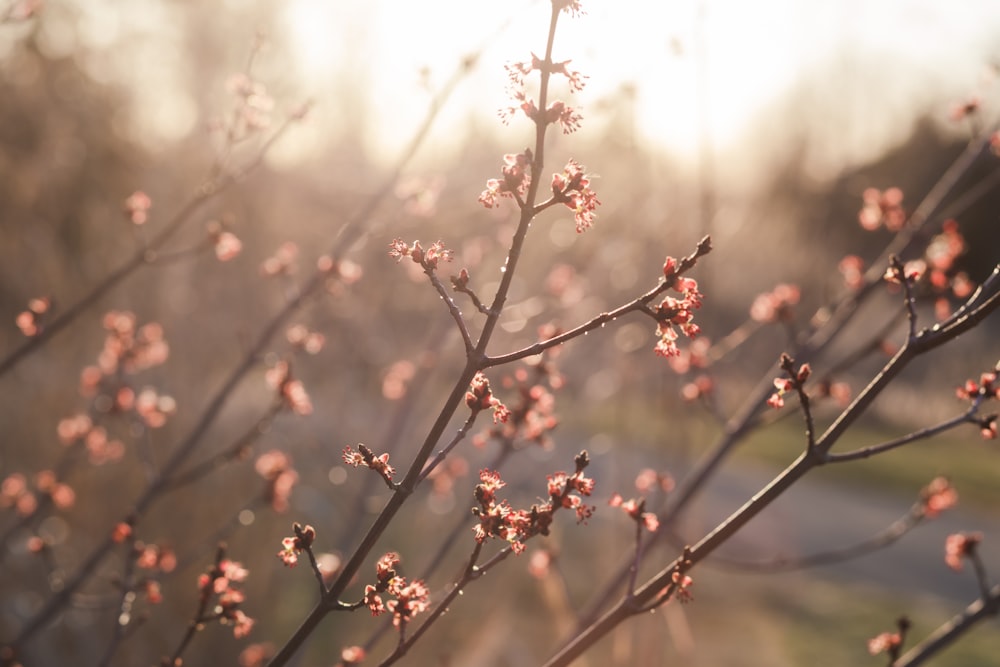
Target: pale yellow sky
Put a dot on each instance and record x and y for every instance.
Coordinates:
(753, 52)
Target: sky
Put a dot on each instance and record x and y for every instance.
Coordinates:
(730, 57)
(692, 66)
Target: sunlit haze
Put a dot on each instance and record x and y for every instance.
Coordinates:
(693, 66)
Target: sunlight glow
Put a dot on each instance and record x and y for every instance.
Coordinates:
(689, 67)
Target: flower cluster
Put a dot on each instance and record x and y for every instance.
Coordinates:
(128, 349)
(635, 508)
(227, 245)
(276, 468)
(531, 415)
(220, 581)
(352, 655)
(673, 312)
(682, 586)
(282, 262)
(498, 519)
(136, 207)
(572, 188)
(410, 598)
(518, 70)
(342, 271)
(882, 208)
(365, 457)
(480, 397)
(958, 547)
(649, 479)
(943, 276)
(157, 559)
(852, 268)
(886, 642)
(291, 392)
(256, 655)
(571, 7)
(81, 429)
(18, 493)
(936, 272)
(253, 108)
(890, 643)
(937, 497)
(514, 181)
(153, 407)
(30, 321)
(426, 258)
(776, 305)
(558, 112)
(785, 385)
(311, 342)
(986, 388)
(128, 346)
(291, 547)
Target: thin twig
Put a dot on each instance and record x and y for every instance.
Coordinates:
(981, 609)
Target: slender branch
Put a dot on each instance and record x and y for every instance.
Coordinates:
(884, 538)
(923, 434)
(234, 452)
(314, 566)
(634, 569)
(458, 437)
(984, 608)
(198, 619)
(453, 309)
(638, 304)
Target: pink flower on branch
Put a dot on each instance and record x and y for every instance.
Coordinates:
(958, 547)
(572, 188)
(571, 7)
(498, 519)
(220, 581)
(890, 643)
(515, 179)
(480, 397)
(516, 72)
(366, 458)
(776, 305)
(30, 321)
(137, 206)
(794, 382)
(678, 312)
(426, 258)
(226, 244)
(635, 508)
(882, 208)
(884, 643)
(937, 497)
(290, 391)
(409, 598)
(291, 547)
(282, 262)
(276, 468)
